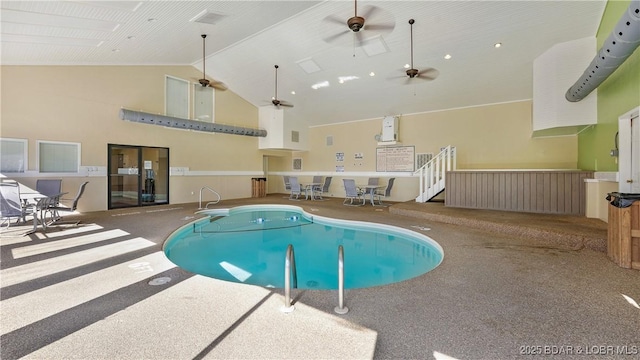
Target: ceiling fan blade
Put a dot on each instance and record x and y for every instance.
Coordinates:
(285, 104)
(369, 10)
(379, 27)
(334, 37)
(428, 74)
(333, 19)
(218, 85)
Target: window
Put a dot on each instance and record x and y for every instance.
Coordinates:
(176, 97)
(13, 155)
(203, 103)
(58, 157)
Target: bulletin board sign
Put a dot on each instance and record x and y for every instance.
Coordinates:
(395, 158)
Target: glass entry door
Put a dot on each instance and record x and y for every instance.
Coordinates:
(138, 176)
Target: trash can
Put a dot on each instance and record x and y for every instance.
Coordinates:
(258, 187)
(623, 232)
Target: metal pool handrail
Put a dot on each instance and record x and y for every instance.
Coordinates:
(341, 309)
(210, 202)
(289, 270)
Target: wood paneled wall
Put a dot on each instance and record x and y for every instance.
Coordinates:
(554, 192)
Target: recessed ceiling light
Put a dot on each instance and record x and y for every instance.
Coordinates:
(343, 79)
(406, 66)
(447, 57)
(372, 74)
(319, 85)
(293, 93)
(497, 45)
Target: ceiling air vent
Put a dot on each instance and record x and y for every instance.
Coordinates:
(208, 17)
(295, 136)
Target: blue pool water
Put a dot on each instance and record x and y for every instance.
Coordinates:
(247, 244)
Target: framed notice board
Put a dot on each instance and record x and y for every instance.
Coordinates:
(395, 158)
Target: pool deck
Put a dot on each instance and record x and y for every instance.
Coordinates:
(510, 284)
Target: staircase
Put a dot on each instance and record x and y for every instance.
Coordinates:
(432, 174)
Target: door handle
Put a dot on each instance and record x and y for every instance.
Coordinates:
(629, 181)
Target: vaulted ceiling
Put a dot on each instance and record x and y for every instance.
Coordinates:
(312, 45)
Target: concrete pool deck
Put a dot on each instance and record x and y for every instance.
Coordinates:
(510, 285)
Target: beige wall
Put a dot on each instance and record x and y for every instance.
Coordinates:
(486, 137)
(81, 104)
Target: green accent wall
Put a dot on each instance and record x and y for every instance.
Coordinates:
(616, 96)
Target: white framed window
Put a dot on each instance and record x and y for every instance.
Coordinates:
(58, 157)
(13, 155)
(176, 99)
(204, 102)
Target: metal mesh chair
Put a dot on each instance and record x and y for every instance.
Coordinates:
(352, 194)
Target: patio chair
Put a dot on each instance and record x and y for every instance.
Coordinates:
(11, 205)
(379, 194)
(49, 187)
(352, 193)
(55, 210)
(287, 184)
(319, 191)
(295, 190)
(315, 189)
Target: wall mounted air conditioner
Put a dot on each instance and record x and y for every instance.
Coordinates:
(389, 129)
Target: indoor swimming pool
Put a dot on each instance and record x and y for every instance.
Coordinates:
(247, 244)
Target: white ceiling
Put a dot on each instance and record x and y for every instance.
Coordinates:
(252, 36)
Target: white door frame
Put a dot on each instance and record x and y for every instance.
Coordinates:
(629, 152)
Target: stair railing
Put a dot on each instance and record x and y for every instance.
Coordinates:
(433, 174)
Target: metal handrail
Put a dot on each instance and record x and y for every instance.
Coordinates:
(341, 309)
(289, 272)
(432, 174)
(210, 202)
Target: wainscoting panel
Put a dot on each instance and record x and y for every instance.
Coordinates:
(554, 192)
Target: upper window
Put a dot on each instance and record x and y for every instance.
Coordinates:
(13, 155)
(58, 157)
(203, 103)
(176, 97)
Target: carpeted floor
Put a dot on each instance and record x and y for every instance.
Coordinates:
(510, 285)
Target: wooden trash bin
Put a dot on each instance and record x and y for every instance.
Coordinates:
(623, 233)
(258, 187)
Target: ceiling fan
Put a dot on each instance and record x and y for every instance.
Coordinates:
(277, 103)
(356, 24)
(204, 81)
(413, 73)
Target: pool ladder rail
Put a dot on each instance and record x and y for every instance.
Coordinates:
(290, 273)
(210, 202)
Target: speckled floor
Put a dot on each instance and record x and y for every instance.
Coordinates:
(510, 285)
